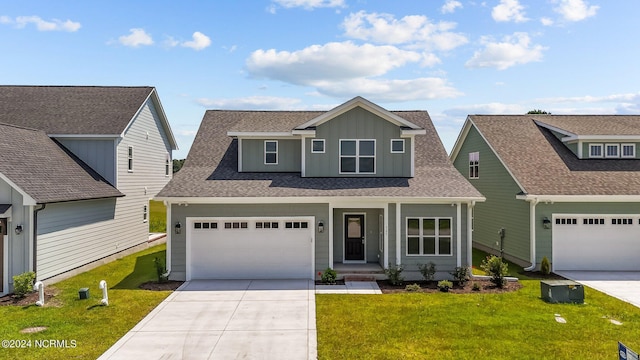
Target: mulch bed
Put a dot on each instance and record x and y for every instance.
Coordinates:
(163, 286)
(31, 298)
(486, 286)
(338, 282)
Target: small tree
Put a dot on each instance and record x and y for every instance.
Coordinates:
(538, 112)
(496, 268)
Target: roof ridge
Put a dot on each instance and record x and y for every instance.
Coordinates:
(19, 127)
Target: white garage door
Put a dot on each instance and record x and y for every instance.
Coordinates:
(596, 242)
(250, 248)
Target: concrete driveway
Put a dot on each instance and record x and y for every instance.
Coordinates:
(623, 285)
(227, 319)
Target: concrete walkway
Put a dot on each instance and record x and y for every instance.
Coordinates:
(227, 319)
(623, 285)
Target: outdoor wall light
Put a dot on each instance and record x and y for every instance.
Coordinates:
(546, 223)
(320, 226)
(18, 229)
(178, 227)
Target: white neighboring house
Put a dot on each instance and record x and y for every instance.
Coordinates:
(78, 166)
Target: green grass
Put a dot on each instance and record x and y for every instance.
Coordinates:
(94, 328)
(515, 325)
(157, 217)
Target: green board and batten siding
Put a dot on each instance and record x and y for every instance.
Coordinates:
(253, 156)
(501, 209)
(358, 123)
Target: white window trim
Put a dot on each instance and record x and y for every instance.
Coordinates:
(357, 157)
(130, 154)
(477, 166)
(145, 213)
(591, 156)
(324, 146)
(167, 165)
(270, 152)
(397, 152)
(421, 236)
(633, 152)
(606, 152)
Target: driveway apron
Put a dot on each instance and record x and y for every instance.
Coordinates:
(623, 285)
(227, 319)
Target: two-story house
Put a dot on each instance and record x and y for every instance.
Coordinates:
(78, 166)
(287, 194)
(562, 186)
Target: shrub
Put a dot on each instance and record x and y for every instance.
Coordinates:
(428, 270)
(545, 266)
(496, 269)
(161, 269)
(23, 283)
(475, 287)
(445, 285)
(461, 274)
(329, 276)
(412, 287)
(394, 274)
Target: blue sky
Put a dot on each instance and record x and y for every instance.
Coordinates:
(451, 58)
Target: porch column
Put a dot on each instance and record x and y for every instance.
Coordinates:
(385, 238)
(169, 231)
(470, 207)
(398, 240)
(330, 230)
(458, 234)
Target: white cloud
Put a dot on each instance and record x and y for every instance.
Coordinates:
(575, 10)
(412, 30)
(308, 4)
(330, 62)
(199, 42)
(136, 38)
(629, 97)
(251, 103)
(509, 10)
(546, 21)
(514, 50)
(450, 6)
(383, 90)
(494, 108)
(42, 25)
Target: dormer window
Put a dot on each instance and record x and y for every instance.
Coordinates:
(628, 150)
(397, 146)
(270, 152)
(595, 150)
(358, 156)
(612, 150)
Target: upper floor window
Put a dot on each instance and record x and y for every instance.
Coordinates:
(167, 165)
(317, 146)
(397, 146)
(474, 165)
(145, 213)
(130, 159)
(612, 150)
(628, 150)
(270, 152)
(357, 156)
(595, 150)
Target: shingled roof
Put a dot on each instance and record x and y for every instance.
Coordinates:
(86, 110)
(42, 170)
(210, 169)
(543, 165)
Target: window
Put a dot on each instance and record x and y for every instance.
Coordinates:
(317, 146)
(296, 225)
(429, 236)
(628, 150)
(593, 221)
(474, 165)
(267, 225)
(270, 152)
(397, 146)
(595, 150)
(236, 225)
(612, 151)
(357, 156)
(167, 166)
(565, 221)
(130, 159)
(205, 225)
(145, 213)
(622, 221)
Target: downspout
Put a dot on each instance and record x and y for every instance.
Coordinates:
(532, 233)
(35, 236)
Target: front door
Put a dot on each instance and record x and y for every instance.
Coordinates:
(354, 237)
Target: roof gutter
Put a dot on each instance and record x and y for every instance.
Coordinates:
(532, 232)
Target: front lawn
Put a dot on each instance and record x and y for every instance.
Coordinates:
(82, 329)
(513, 325)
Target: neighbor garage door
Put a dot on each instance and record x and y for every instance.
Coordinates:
(250, 248)
(596, 242)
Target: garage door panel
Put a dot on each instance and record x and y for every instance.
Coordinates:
(596, 242)
(258, 249)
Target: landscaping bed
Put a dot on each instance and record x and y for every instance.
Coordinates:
(31, 298)
(161, 286)
(484, 286)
